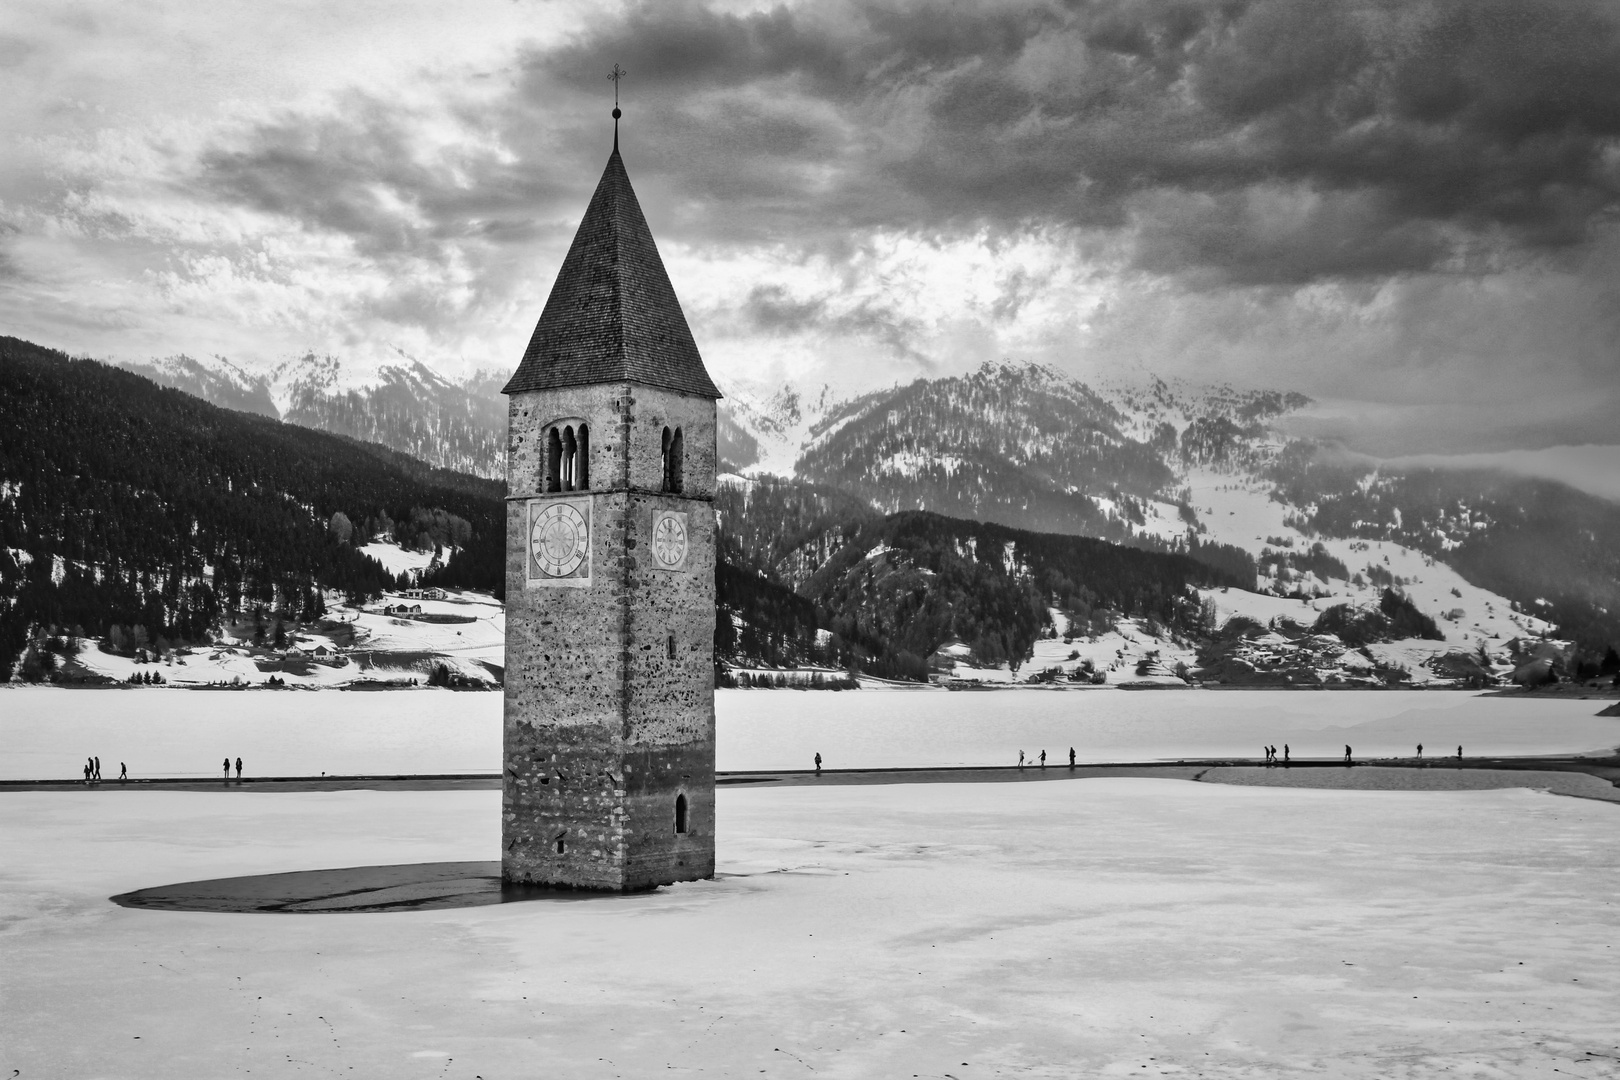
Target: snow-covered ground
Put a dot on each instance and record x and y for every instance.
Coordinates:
(1084, 928)
(483, 639)
(1240, 511)
(47, 733)
(383, 647)
(1116, 655)
(395, 559)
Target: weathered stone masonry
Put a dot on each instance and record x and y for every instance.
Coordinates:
(609, 718)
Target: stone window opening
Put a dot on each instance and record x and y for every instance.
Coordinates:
(554, 449)
(582, 464)
(562, 846)
(680, 813)
(568, 454)
(674, 453)
(570, 458)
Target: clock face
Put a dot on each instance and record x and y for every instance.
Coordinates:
(669, 540)
(559, 539)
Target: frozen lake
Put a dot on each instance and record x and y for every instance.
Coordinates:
(1085, 928)
(47, 732)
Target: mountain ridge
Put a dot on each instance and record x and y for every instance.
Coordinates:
(1029, 447)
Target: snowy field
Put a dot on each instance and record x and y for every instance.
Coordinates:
(1071, 929)
(1241, 512)
(47, 732)
(378, 647)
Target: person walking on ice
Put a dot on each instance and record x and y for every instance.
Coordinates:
(818, 762)
(1420, 751)
(1071, 757)
(227, 770)
(239, 768)
(1020, 759)
(123, 773)
(1347, 755)
(1043, 759)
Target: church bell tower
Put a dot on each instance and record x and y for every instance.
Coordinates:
(610, 562)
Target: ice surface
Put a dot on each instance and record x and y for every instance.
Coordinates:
(47, 732)
(1070, 929)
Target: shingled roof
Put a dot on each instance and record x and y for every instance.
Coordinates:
(612, 315)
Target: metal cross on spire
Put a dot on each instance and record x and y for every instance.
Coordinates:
(615, 75)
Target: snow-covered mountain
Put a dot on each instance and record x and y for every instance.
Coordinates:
(214, 379)
(407, 407)
(1490, 558)
(1169, 466)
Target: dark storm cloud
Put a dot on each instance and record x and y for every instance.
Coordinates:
(1228, 142)
(771, 309)
(361, 172)
(1259, 141)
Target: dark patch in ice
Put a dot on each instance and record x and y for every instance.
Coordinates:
(405, 887)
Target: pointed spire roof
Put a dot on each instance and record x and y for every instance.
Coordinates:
(612, 315)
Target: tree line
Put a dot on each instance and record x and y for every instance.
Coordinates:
(123, 503)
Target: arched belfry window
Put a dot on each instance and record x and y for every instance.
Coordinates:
(680, 813)
(677, 461)
(582, 465)
(570, 459)
(554, 450)
(568, 451)
(674, 450)
(663, 461)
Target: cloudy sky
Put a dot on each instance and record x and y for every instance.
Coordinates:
(1406, 209)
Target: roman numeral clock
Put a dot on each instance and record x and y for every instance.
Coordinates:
(560, 539)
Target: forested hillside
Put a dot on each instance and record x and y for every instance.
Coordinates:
(1548, 546)
(122, 502)
(890, 590)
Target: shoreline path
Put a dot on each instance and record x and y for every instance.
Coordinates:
(1587, 777)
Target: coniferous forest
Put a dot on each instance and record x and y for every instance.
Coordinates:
(126, 504)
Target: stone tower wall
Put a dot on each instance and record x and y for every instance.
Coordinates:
(604, 728)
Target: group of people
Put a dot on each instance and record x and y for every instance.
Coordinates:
(1271, 755)
(92, 771)
(1271, 759)
(1042, 758)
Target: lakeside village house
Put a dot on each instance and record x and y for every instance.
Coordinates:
(424, 594)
